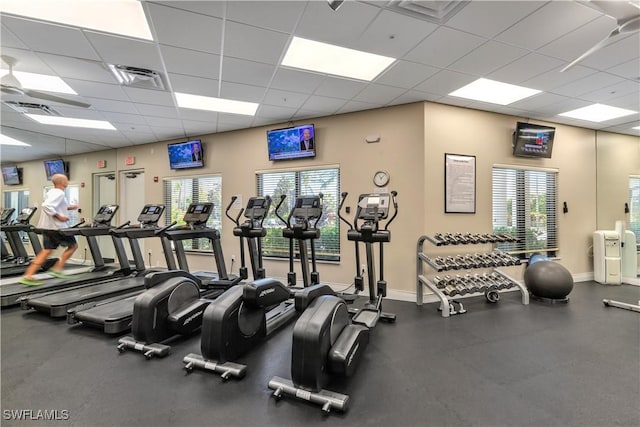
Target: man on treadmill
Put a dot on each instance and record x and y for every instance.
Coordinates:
(53, 218)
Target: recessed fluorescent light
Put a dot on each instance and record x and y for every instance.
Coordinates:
(598, 113)
(331, 59)
(220, 105)
(7, 140)
(41, 82)
(486, 90)
(67, 121)
(636, 128)
(125, 17)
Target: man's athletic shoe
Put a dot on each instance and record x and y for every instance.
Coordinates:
(30, 282)
(57, 274)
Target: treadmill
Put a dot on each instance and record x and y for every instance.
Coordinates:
(20, 260)
(114, 315)
(13, 293)
(57, 303)
(5, 216)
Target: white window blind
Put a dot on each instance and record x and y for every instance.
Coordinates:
(179, 193)
(302, 182)
(525, 206)
(634, 206)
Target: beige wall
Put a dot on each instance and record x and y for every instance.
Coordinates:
(414, 138)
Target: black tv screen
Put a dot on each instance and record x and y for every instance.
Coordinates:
(186, 155)
(291, 143)
(533, 140)
(52, 167)
(11, 175)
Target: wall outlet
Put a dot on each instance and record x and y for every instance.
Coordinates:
(363, 269)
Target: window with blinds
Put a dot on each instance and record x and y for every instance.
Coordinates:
(634, 206)
(524, 206)
(302, 182)
(179, 193)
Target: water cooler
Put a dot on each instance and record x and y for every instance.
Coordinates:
(607, 260)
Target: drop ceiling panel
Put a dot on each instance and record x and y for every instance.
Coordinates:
(81, 69)
(623, 50)
(9, 39)
(191, 62)
(98, 90)
(194, 128)
(554, 78)
(393, 35)
(199, 115)
(78, 113)
(273, 15)
(242, 71)
(210, 8)
(406, 74)
(323, 104)
(445, 82)
(575, 43)
(256, 44)
(296, 81)
(236, 119)
(625, 87)
(155, 111)
(629, 69)
(49, 38)
(551, 111)
(546, 24)
(487, 58)
(132, 128)
(526, 68)
(284, 98)
(539, 101)
(242, 92)
(412, 96)
(379, 94)
(490, 18)
(444, 46)
(342, 28)
(148, 96)
(126, 51)
(186, 29)
(109, 105)
(352, 106)
(336, 87)
(195, 85)
(273, 112)
(586, 84)
(130, 119)
(630, 101)
(26, 61)
(163, 122)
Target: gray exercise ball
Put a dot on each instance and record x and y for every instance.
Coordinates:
(548, 279)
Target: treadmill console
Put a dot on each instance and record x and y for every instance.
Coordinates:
(150, 215)
(198, 213)
(104, 215)
(257, 208)
(6, 215)
(25, 215)
(373, 206)
(307, 207)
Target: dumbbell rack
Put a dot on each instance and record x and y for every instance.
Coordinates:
(449, 289)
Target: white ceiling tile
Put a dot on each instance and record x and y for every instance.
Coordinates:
(226, 126)
(26, 61)
(199, 115)
(186, 29)
(237, 119)
(49, 38)
(392, 34)
(296, 81)
(487, 58)
(242, 71)
(546, 24)
(194, 85)
(415, 96)
(78, 113)
(352, 106)
(149, 96)
(126, 51)
(336, 87)
(525, 68)
(156, 111)
(98, 90)
(625, 87)
(285, 99)
(273, 112)
(489, 18)
(129, 119)
(323, 104)
(10, 40)
(274, 15)
(211, 8)
(630, 101)
(379, 94)
(129, 128)
(629, 69)
(576, 42)
(342, 28)
(194, 128)
(538, 101)
(406, 74)
(109, 105)
(618, 52)
(568, 104)
(554, 78)
(586, 84)
(445, 82)
(256, 44)
(443, 47)
(155, 122)
(163, 133)
(190, 62)
(140, 137)
(81, 69)
(242, 92)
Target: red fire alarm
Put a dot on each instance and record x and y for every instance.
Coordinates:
(130, 160)
(82, 185)
(102, 164)
(155, 179)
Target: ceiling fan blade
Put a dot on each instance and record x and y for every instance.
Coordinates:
(593, 49)
(49, 97)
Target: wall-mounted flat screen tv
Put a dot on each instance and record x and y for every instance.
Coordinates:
(186, 155)
(533, 140)
(292, 143)
(11, 175)
(52, 167)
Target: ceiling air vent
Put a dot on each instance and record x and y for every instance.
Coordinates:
(31, 108)
(137, 77)
(438, 12)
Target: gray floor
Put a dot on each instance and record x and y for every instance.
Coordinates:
(498, 365)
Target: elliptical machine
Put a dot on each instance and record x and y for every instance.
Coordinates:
(325, 341)
(246, 315)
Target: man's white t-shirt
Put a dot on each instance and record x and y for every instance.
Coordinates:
(54, 203)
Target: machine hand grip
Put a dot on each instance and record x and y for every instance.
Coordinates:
(165, 228)
(275, 211)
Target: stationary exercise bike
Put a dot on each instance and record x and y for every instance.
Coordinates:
(326, 341)
(246, 315)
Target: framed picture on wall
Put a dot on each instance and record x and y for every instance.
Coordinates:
(459, 183)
